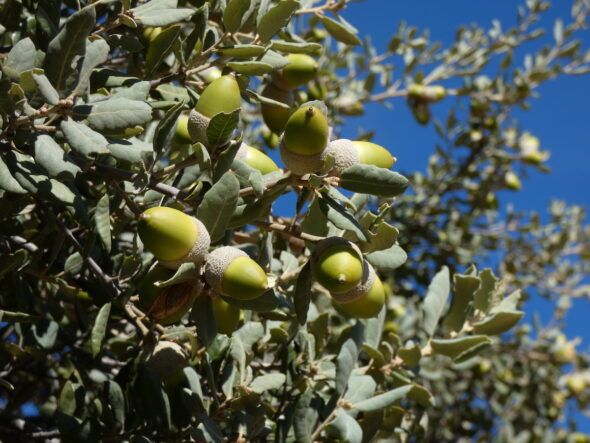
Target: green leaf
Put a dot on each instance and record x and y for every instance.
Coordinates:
(116, 403)
(67, 398)
(345, 363)
(360, 388)
(498, 323)
(10, 316)
(82, 139)
(102, 221)
(411, 354)
(222, 126)
(251, 67)
(166, 127)
(46, 333)
(389, 259)
(302, 294)
(198, 33)
(435, 300)
(47, 91)
(340, 217)
(160, 13)
(69, 43)
(185, 272)
(267, 382)
(276, 18)
(12, 261)
(304, 417)
(160, 47)
(96, 53)
(73, 263)
(242, 51)
(341, 31)
(295, 47)
(202, 316)
(422, 396)
(155, 404)
(233, 15)
(7, 181)
(455, 347)
(344, 428)
(226, 160)
(465, 287)
(115, 113)
(382, 401)
(218, 205)
(131, 150)
(369, 179)
(482, 298)
(137, 91)
(265, 303)
(53, 159)
(21, 58)
(99, 329)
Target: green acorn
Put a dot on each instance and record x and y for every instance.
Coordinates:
(512, 181)
(226, 316)
(305, 137)
(369, 303)
(169, 304)
(231, 272)
(429, 94)
(301, 69)
(373, 154)
(150, 33)
(221, 95)
(173, 237)
(256, 159)
(276, 117)
(181, 134)
(338, 265)
(168, 360)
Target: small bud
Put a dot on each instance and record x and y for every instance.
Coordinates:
(337, 265)
(231, 272)
(173, 237)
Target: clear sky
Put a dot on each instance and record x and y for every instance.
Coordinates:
(559, 117)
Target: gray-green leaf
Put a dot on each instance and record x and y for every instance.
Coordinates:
(219, 204)
(369, 179)
(102, 221)
(435, 300)
(82, 139)
(276, 18)
(99, 328)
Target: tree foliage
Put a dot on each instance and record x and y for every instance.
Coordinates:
(92, 100)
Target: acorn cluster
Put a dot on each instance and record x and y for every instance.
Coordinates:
(356, 289)
(174, 238)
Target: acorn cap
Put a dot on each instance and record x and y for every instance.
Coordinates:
(307, 131)
(226, 316)
(276, 117)
(256, 159)
(301, 69)
(197, 127)
(373, 154)
(231, 272)
(221, 95)
(338, 265)
(173, 237)
(343, 153)
(300, 164)
(364, 301)
(169, 304)
(167, 360)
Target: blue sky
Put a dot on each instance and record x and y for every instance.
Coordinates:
(559, 117)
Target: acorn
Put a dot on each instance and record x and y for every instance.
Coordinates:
(173, 237)
(231, 272)
(430, 94)
(576, 383)
(512, 181)
(305, 138)
(529, 149)
(150, 33)
(369, 303)
(221, 95)
(276, 117)
(256, 159)
(343, 154)
(169, 304)
(301, 69)
(338, 266)
(226, 316)
(374, 154)
(168, 360)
